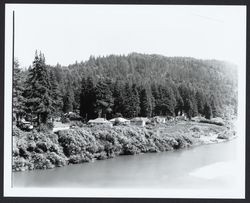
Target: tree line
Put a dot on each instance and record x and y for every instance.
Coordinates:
(128, 86)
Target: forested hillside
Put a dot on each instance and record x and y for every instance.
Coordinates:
(129, 86)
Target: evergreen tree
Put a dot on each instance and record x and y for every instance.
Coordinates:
(179, 101)
(188, 108)
(118, 96)
(104, 99)
(146, 105)
(88, 99)
(57, 98)
(214, 106)
(166, 102)
(155, 99)
(68, 100)
(83, 104)
(200, 98)
(131, 102)
(18, 89)
(135, 99)
(38, 91)
(207, 111)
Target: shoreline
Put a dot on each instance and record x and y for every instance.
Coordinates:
(47, 150)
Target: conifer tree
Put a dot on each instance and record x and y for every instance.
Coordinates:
(200, 98)
(88, 99)
(83, 104)
(146, 105)
(214, 106)
(57, 98)
(131, 101)
(207, 111)
(118, 96)
(18, 89)
(38, 90)
(68, 100)
(104, 99)
(135, 100)
(166, 102)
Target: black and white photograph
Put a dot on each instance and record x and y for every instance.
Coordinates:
(125, 101)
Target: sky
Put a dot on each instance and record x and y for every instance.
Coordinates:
(69, 33)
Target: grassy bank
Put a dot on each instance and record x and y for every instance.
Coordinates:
(45, 150)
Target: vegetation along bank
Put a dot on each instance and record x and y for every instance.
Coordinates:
(46, 150)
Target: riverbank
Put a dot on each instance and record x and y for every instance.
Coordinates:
(46, 150)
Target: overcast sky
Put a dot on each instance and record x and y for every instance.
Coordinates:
(66, 33)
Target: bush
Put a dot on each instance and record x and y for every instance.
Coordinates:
(80, 158)
(223, 135)
(42, 150)
(56, 160)
(50, 125)
(17, 132)
(74, 117)
(40, 161)
(42, 146)
(195, 129)
(21, 164)
(79, 124)
(44, 128)
(31, 146)
(65, 120)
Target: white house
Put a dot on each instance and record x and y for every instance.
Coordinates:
(99, 121)
(139, 121)
(159, 119)
(119, 120)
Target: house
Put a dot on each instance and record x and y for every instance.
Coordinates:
(119, 120)
(159, 119)
(99, 121)
(183, 117)
(139, 121)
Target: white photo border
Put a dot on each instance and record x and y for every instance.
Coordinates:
(10, 191)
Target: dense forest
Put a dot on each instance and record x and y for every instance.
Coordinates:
(125, 85)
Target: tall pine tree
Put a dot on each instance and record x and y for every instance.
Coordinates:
(146, 103)
(104, 99)
(18, 89)
(38, 91)
(87, 99)
(57, 98)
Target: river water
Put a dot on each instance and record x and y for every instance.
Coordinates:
(207, 166)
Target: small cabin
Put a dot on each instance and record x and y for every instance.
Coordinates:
(139, 121)
(99, 121)
(119, 120)
(159, 119)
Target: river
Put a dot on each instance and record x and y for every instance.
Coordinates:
(207, 166)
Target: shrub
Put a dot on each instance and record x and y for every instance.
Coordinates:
(20, 164)
(56, 160)
(74, 117)
(50, 125)
(40, 161)
(65, 119)
(17, 132)
(80, 158)
(223, 136)
(42, 146)
(44, 149)
(31, 146)
(44, 128)
(79, 124)
(195, 129)
(101, 156)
